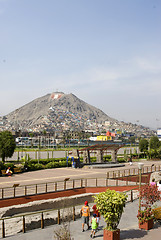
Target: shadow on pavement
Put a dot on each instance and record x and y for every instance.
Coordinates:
(99, 235)
(157, 225)
(132, 233)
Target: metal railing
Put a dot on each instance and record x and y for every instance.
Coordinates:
(18, 190)
(133, 171)
(58, 218)
(113, 178)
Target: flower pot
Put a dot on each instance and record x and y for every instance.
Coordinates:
(146, 225)
(111, 235)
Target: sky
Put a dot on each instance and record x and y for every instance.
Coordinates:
(106, 52)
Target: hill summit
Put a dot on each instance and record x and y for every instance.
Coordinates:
(57, 110)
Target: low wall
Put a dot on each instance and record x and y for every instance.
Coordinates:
(58, 203)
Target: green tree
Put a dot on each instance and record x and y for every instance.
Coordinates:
(7, 145)
(143, 145)
(154, 143)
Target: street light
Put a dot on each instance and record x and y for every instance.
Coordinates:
(140, 166)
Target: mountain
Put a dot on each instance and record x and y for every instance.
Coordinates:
(59, 112)
(57, 108)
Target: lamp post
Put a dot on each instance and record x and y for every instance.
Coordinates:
(140, 166)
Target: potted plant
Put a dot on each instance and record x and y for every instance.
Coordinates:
(148, 195)
(110, 205)
(145, 218)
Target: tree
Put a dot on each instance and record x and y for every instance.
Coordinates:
(154, 143)
(7, 145)
(143, 145)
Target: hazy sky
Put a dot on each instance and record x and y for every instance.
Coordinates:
(106, 52)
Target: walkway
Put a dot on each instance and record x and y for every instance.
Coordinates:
(58, 174)
(128, 225)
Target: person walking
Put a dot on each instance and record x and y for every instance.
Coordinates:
(153, 183)
(85, 213)
(95, 211)
(94, 225)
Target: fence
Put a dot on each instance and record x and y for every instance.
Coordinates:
(113, 178)
(132, 171)
(22, 217)
(18, 190)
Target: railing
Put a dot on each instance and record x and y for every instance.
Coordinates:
(113, 178)
(67, 184)
(58, 218)
(132, 171)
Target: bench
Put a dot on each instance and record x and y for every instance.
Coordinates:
(3, 172)
(17, 170)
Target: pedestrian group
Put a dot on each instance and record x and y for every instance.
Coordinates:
(85, 213)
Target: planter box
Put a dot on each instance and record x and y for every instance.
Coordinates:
(146, 225)
(111, 235)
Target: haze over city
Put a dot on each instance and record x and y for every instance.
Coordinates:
(107, 53)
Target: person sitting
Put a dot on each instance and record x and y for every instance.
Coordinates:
(9, 172)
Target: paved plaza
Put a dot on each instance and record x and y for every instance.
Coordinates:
(129, 222)
(59, 174)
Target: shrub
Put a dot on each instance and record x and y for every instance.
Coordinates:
(120, 160)
(50, 165)
(93, 159)
(148, 195)
(110, 204)
(107, 158)
(41, 161)
(145, 215)
(38, 166)
(46, 161)
(34, 167)
(62, 163)
(56, 164)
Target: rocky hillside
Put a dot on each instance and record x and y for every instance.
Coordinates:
(56, 107)
(60, 112)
